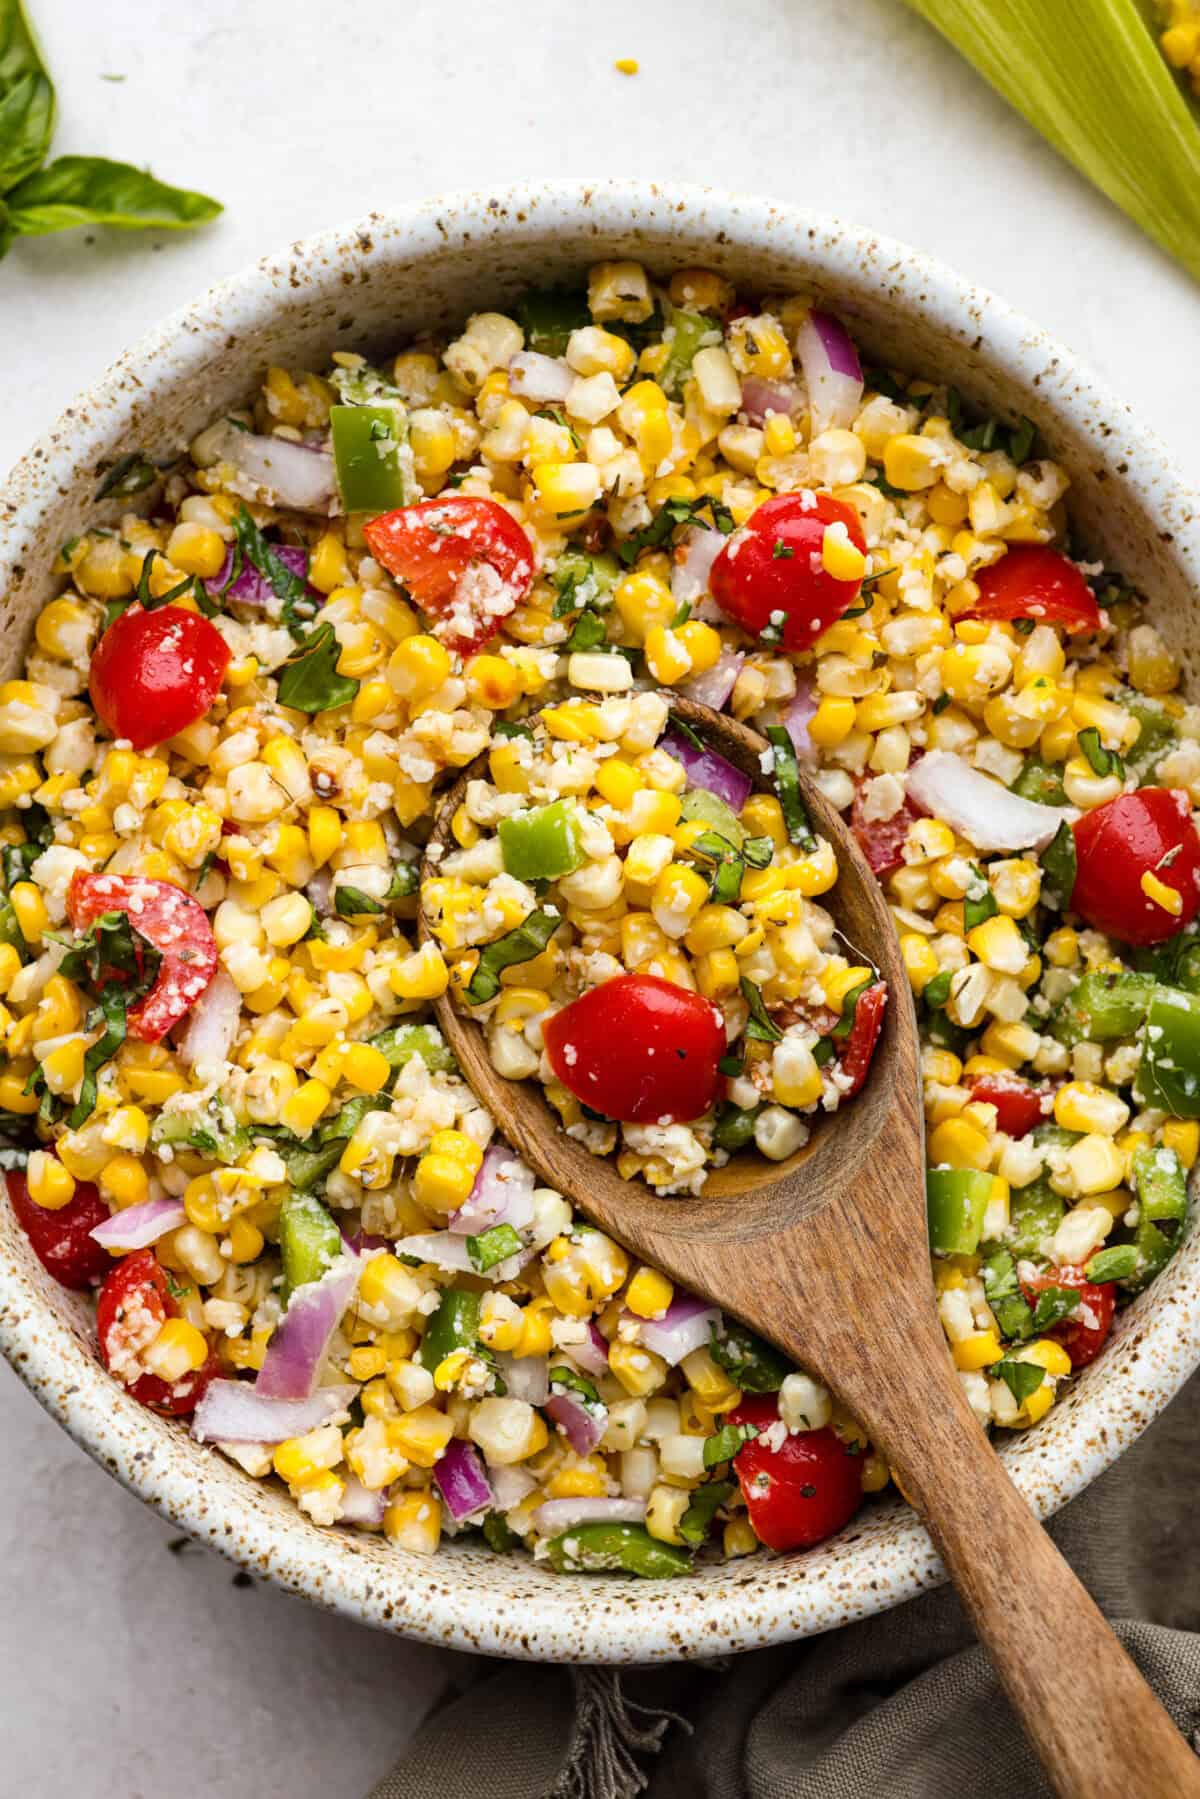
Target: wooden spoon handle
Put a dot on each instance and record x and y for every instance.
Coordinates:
(1097, 1727)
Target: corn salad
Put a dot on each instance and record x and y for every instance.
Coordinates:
(224, 1100)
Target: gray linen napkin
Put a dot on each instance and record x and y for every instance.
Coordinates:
(904, 1703)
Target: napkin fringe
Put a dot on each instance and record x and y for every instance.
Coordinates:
(611, 1733)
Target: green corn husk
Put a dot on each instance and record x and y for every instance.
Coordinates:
(1089, 75)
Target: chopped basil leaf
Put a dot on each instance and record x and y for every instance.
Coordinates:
(1059, 862)
(528, 940)
(128, 475)
(1116, 1263)
(724, 1444)
(845, 1023)
(731, 1067)
(299, 606)
(1053, 1305)
(978, 907)
(759, 1027)
(352, 902)
(707, 1501)
(507, 727)
(310, 682)
(1021, 1378)
(1102, 762)
(937, 991)
(787, 786)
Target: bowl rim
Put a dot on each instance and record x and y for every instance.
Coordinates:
(599, 1619)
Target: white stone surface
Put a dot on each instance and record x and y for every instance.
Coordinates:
(131, 1671)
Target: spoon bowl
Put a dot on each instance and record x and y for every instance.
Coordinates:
(827, 1255)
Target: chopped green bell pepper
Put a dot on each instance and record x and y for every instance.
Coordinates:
(493, 1246)
(1001, 1289)
(1161, 1184)
(687, 333)
(752, 1364)
(1158, 730)
(699, 806)
(455, 1325)
(1169, 1073)
(583, 580)
(309, 1241)
(10, 930)
(957, 1200)
(401, 1042)
(1035, 1213)
(1041, 782)
(548, 315)
(1101, 1007)
(735, 1127)
(616, 1549)
(369, 457)
(541, 844)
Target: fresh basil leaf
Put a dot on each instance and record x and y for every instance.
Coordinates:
(1101, 761)
(752, 1364)
(937, 991)
(786, 774)
(759, 1027)
(845, 1023)
(26, 98)
(508, 727)
(299, 607)
(1053, 1305)
(352, 902)
(1060, 863)
(311, 683)
(110, 1012)
(978, 906)
(707, 1501)
(128, 475)
(90, 190)
(528, 940)
(405, 881)
(1021, 1378)
(724, 1444)
(588, 632)
(1021, 440)
(1116, 1263)
(732, 1067)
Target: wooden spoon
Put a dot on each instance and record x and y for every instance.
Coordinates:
(827, 1255)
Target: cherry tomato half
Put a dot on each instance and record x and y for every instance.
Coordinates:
(465, 561)
(773, 564)
(1033, 581)
(1019, 1104)
(1149, 832)
(155, 673)
(881, 840)
(802, 1492)
(134, 1304)
(170, 920)
(864, 1035)
(1084, 1334)
(62, 1240)
(639, 1049)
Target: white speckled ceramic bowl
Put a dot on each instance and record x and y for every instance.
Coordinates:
(371, 285)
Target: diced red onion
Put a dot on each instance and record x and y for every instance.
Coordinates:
(212, 1027)
(592, 1354)
(361, 1243)
(137, 1226)
(583, 1426)
(458, 1475)
(283, 473)
(525, 1376)
(704, 768)
(686, 1324)
(446, 1250)
(761, 397)
(715, 686)
(831, 370)
(972, 803)
(360, 1505)
(253, 589)
(510, 1486)
(797, 717)
(234, 1411)
(557, 1515)
(502, 1194)
(296, 1352)
(698, 549)
(532, 376)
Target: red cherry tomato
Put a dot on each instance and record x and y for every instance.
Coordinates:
(170, 920)
(772, 564)
(1084, 1334)
(1033, 581)
(1147, 832)
(639, 1049)
(62, 1240)
(802, 1492)
(864, 1035)
(134, 1304)
(1019, 1104)
(466, 562)
(881, 840)
(155, 673)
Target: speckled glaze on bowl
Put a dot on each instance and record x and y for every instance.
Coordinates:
(370, 285)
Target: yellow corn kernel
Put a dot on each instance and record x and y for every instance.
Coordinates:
(246, 1241)
(30, 909)
(702, 644)
(442, 1183)
(421, 1435)
(838, 982)
(302, 1110)
(51, 1186)
(365, 1067)
(649, 1293)
(1046, 1353)
(999, 945)
(1061, 948)
(1183, 1136)
(178, 1349)
(679, 894)
(666, 656)
(414, 1522)
(644, 602)
(841, 557)
(920, 963)
(639, 1370)
(958, 1144)
(492, 682)
(1169, 898)
(124, 1181)
(535, 1338)
(979, 1350)
(422, 975)
(418, 667)
(577, 721)
(1083, 1106)
(762, 816)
